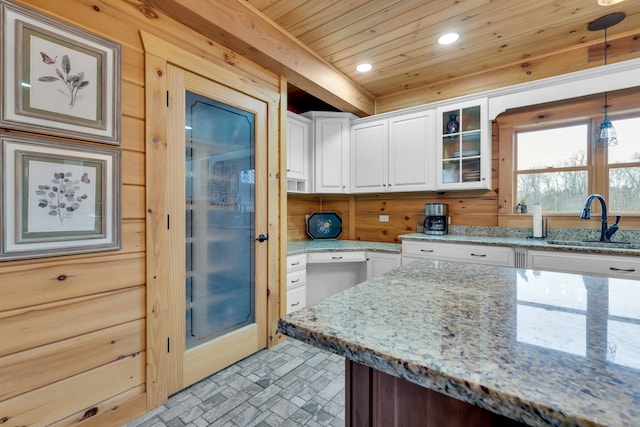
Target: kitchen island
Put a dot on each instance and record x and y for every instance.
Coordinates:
(482, 345)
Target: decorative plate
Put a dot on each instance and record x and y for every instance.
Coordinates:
(324, 225)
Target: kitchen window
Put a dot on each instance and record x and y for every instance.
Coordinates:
(559, 166)
(623, 167)
(547, 156)
(552, 167)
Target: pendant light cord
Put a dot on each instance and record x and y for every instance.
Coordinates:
(606, 93)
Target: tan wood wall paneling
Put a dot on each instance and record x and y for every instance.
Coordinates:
(157, 237)
(133, 236)
(114, 411)
(133, 134)
(405, 210)
(132, 167)
(280, 185)
(40, 366)
(91, 289)
(24, 328)
(46, 282)
(48, 404)
(133, 202)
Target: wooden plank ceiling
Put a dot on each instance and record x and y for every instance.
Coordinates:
(399, 36)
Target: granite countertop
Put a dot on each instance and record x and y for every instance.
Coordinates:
(539, 347)
(560, 244)
(305, 246)
(560, 240)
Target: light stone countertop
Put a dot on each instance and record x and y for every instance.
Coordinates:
(540, 347)
(558, 244)
(559, 240)
(305, 246)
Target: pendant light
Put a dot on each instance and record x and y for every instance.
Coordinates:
(606, 132)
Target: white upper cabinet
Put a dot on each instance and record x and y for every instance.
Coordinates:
(411, 152)
(464, 146)
(298, 156)
(331, 139)
(393, 154)
(370, 157)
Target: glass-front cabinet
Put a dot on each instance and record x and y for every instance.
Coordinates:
(464, 146)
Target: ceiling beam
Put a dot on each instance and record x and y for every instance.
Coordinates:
(241, 28)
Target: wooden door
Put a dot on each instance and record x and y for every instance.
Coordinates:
(217, 205)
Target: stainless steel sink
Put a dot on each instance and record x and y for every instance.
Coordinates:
(594, 244)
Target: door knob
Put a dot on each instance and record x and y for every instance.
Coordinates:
(261, 238)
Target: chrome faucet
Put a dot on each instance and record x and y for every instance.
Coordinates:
(605, 231)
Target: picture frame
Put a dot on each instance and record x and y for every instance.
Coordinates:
(324, 225)
(58, 197)
(57, 79)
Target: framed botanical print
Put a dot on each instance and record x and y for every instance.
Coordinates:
(58, 197)
(57, 79)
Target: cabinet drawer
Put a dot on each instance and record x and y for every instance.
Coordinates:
(296, 299)
(599, 265)
(477, 254)
(319, 257)
(296, 262)
(296, 278)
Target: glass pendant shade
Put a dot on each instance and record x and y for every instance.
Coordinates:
(606, 133)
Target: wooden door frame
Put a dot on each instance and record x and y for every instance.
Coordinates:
(158, 54)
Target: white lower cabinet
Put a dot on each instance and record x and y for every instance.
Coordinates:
(331, 272)
(599, 265)
(318, 275)
(330, 257)
(296, 282)
(477, 254)
(380, 262)
(296, 298)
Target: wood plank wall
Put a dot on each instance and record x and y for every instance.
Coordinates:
(73, 327)
(360, 213)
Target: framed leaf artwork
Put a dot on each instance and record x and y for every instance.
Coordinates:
(58, 79)
(58, 198)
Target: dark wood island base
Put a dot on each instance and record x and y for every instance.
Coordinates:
(376, 399)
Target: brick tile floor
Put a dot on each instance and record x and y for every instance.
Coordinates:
(292, 384)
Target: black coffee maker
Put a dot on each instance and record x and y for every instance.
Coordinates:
(437, 218)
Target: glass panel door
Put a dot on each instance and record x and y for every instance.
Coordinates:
(220, 228)
(461, 137)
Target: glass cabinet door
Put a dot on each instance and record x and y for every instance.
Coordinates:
(464, 147)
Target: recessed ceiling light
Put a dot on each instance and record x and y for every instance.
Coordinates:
(608, 2)
(448, 38)
(363, 68)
